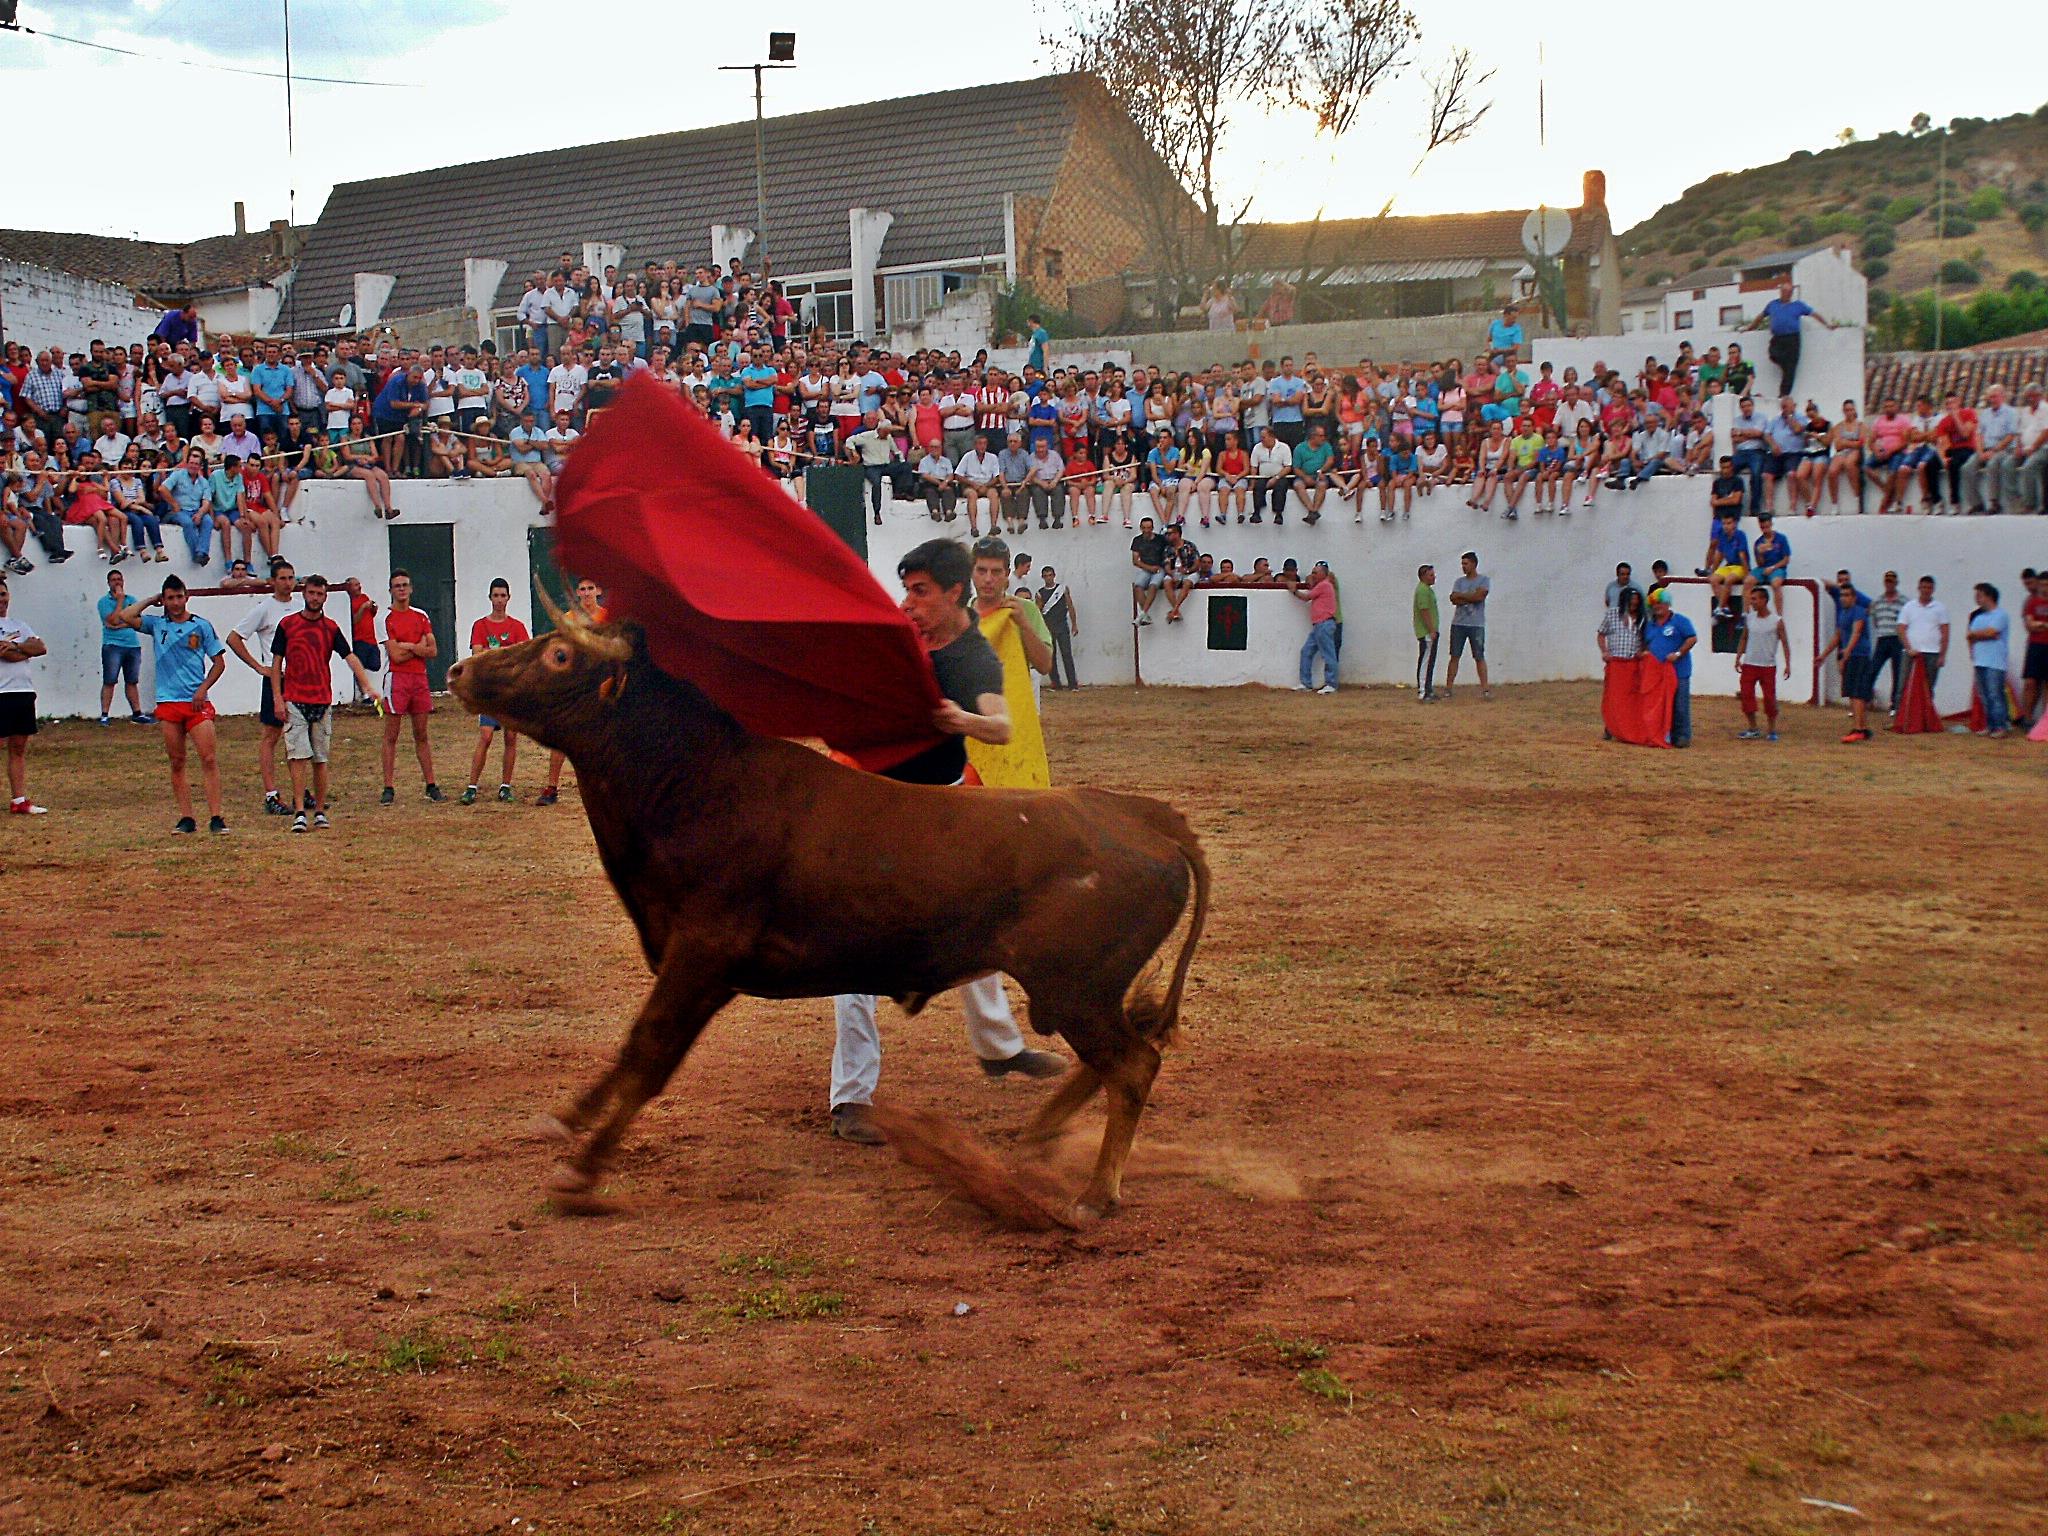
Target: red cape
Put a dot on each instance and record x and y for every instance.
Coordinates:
(1636, 704)
(1916, 713)
(741, 591)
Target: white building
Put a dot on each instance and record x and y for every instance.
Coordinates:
(1729, 298)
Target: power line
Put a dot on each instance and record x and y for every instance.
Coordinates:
(227, 69)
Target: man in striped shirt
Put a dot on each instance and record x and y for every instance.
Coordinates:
(1884, 630)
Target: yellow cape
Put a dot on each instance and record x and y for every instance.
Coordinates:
(1021, 764)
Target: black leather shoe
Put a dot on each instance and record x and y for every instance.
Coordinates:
(1030, 1063)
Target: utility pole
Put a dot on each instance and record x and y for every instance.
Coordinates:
(1940, 231)
(781, 55)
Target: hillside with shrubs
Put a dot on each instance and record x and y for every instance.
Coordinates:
(1983, 231)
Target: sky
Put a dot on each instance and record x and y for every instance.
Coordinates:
(1656, 114)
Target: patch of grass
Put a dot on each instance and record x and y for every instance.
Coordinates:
(1826, 1449)
(2018, 1425)
(1300, 1352)
(299, 1149)
(507, 1307)
(226, 1372)
(1733, 1367)
(1764, 1468)
(138, 933)
(498, 1349)
(774, 1266)
(416, 1350)
(397, 1213)
(2021, 1229)
(1326, 1384)
(777, 1304)
(1496, 1491)
(345, 1188)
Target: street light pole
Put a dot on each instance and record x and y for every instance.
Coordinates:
(781, 55)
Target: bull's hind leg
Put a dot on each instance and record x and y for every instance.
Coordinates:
(1067, 1100)
(682, 1003)
(1127, 1083)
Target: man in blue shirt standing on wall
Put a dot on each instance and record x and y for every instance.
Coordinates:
(1783, 315)
(1671, 638)
(1506, 335)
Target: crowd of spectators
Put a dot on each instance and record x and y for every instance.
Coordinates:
(217, 437)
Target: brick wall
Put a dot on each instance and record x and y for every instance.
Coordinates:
(1093, 218)
(42, 308)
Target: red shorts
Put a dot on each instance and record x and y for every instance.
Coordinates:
(183, 712)
(409, 694)
(1765, 678)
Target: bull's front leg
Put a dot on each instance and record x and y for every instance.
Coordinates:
(689, 989)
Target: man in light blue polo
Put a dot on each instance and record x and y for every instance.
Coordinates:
(1284, 395)
(187, 495)
(1752, 454)
(1998, 436)
(1671, 637)
(1783, 315)
(1506, 335)
(1785, 446)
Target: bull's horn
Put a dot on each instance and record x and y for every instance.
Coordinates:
(547, 602)
(603, 647)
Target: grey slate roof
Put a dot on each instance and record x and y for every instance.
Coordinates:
(940, 162)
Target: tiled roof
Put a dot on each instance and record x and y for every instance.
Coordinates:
(941, 163)
(1902, 375)
(1495, 236)
(162, 269)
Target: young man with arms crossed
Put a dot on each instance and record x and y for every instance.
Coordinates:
(495, 630)
(300, 676)
(259, 625)
(1468, 622)
(408, 638)
(19, 646)
(937, 578)
(189, 661)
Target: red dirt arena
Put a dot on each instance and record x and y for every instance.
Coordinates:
(1565, 1138)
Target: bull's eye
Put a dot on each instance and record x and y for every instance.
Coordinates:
(558, 657)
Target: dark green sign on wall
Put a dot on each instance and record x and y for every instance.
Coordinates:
(1228, 621)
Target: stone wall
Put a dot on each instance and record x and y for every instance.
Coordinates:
(1335, 343)
(43, 308)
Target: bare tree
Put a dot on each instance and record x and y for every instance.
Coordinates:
(1183, 69)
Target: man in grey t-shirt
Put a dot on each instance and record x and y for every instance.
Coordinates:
(1468, 621)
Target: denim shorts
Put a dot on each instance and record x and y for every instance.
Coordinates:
(120, 664)
(1144, 581)
(1473, 635)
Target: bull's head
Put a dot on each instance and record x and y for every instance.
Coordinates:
(560, 689)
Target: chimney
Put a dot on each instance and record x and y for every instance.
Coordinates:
(241, 218)
(281, 237)
(1594, 192)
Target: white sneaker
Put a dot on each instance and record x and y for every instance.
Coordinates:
(1303, 688)
(1327, 688)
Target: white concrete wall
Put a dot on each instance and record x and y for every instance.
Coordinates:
(41, 308)
(339, 538)
(1548, 576)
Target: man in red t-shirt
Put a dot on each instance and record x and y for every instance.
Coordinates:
(300, 677)
(362, 632)
(408, 636)
(492, 632)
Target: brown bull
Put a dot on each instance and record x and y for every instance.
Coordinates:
(760, 867)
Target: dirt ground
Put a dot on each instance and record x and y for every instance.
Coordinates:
(1567, 1138)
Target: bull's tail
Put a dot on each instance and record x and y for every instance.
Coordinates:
(1157, 1017)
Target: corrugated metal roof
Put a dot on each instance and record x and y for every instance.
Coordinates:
(941, 163)
(1409, 271)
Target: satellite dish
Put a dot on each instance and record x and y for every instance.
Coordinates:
(1546, 232)
(348, 313)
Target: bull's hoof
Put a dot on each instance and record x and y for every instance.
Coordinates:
(1083, 1213)
(568, 1179)
(550, 1128)
(568, 1203)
